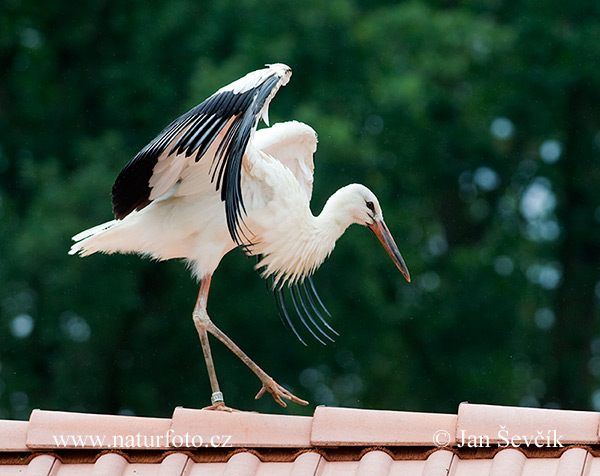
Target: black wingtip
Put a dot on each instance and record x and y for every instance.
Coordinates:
(316, 294)
(303, 300)
(302, 319)
(307, 292)
(193, 133)
(284, 315)
(229, 155)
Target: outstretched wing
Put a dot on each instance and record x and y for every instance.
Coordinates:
(293, 144)
(227, 118)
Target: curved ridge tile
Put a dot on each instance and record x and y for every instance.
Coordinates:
(110, 464)
(438, 463)
(508, 462)
(173, 465)
(41, 465)
(242, 464)
(306, 464)
(572, 462)
(374, 463)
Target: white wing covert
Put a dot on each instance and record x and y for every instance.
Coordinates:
(293, 144)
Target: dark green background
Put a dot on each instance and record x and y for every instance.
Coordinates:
(476, 123)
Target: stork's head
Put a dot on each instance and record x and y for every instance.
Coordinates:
(358, 204)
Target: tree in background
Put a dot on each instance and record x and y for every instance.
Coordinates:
(477, 126)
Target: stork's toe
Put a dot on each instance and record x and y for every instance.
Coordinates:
(221, 407)
(278, 393)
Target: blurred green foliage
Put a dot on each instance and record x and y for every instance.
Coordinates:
(477, 124)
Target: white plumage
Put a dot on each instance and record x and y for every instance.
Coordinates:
(210, 182)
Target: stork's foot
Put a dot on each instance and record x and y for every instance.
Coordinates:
(278, 393)
(221, 407)
(218, 403)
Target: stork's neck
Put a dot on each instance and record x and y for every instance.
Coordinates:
(333, 220)
(308, 242)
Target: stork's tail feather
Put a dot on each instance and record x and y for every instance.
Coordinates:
(92, 240)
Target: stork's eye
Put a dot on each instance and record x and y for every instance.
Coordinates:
(370, 206)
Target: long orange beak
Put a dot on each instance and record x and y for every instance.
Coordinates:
(379, 228)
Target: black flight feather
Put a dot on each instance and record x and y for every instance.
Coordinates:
(307, 292)
(283, 312)
(195, 131)
(301, 316)
(301, 308)
(296, 291)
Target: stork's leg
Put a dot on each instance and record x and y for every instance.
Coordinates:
(203, 325)
(218, 403)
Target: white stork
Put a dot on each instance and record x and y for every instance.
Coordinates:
(210, 182)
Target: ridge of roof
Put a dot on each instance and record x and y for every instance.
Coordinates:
(328, 427)
(477, 440)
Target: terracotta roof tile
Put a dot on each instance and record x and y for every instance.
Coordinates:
(334, 441)
(306, 463)
(501, 422)
(13, 436)
(374, 463)
(508, 462)
(438, 462)
(174, 464)
(242, 464)
(240, 429)
(572, 462)
(42, 465)
(47, 427)
(593, 466)
(478, 467)
(339, 468)
(110, 464)
(349, 426)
